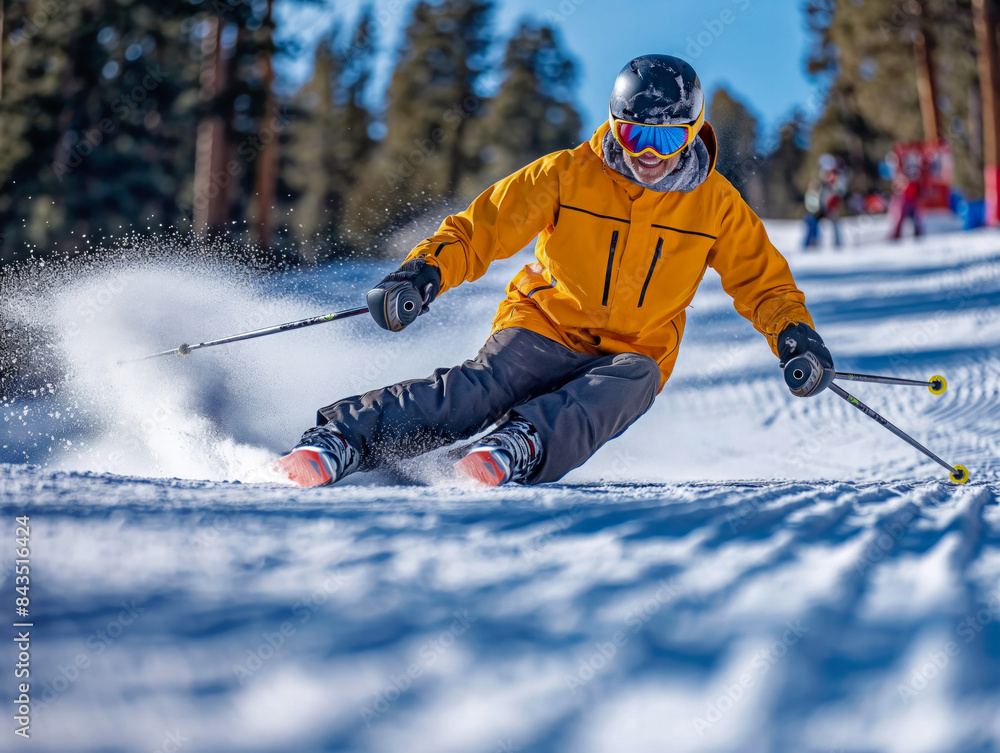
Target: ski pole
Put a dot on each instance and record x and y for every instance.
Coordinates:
(184, 349)
(936, 384)
(798, 369)
(958, 473)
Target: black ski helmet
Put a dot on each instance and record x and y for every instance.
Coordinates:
(658, 90)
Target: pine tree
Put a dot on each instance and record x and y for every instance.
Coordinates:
(256, 121)
(424, 155)
(738, 160)
(865, 52)
(782, 166)
(329, 143)
(100, 112)
(531, 114)
(86, 144)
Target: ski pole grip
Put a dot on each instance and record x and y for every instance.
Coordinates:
(395, 307)
(408, 303)
(804, 375)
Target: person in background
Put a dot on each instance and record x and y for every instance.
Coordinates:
(813, 213)
(833, 181)
(823, 199)
(856, 203)
(906, 195)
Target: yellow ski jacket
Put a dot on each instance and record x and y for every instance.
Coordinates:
(616, 263)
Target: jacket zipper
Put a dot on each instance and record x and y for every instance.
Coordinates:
(649, 275)
(611, 263)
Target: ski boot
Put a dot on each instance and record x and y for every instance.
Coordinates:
(511, 452)
(321, 457)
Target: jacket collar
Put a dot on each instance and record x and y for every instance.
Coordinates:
(707, 134)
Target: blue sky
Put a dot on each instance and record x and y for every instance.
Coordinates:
(756, 48)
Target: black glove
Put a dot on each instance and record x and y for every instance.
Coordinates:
(807, 363)
(404, 295)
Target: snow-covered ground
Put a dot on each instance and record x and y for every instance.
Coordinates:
(741, 571)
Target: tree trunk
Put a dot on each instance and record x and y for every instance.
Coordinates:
(267, 162)
(923, 51)
(861, 178)
(1, 50)
(211, 179)
(974, 124)
(989, 78)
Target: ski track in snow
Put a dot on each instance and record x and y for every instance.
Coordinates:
(741, 571)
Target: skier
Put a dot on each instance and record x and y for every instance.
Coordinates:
(906, 186)
(814, 211)
(833, 182)
(626, 225)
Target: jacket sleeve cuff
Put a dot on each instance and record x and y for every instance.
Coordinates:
(779, 326)
(425, 250)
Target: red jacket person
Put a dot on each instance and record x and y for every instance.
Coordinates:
(627, 224)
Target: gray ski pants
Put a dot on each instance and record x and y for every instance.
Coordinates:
(575, 401)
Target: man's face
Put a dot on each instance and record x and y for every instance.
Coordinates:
(649, 168)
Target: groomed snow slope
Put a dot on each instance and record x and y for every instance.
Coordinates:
(741, 571)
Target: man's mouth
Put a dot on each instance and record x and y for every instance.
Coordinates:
(649, 160)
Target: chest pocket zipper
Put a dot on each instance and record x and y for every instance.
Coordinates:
(611, 266)
(649, 275)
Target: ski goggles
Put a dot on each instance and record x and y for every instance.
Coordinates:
(664, 141)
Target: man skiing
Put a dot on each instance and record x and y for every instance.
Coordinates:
(626, 225)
